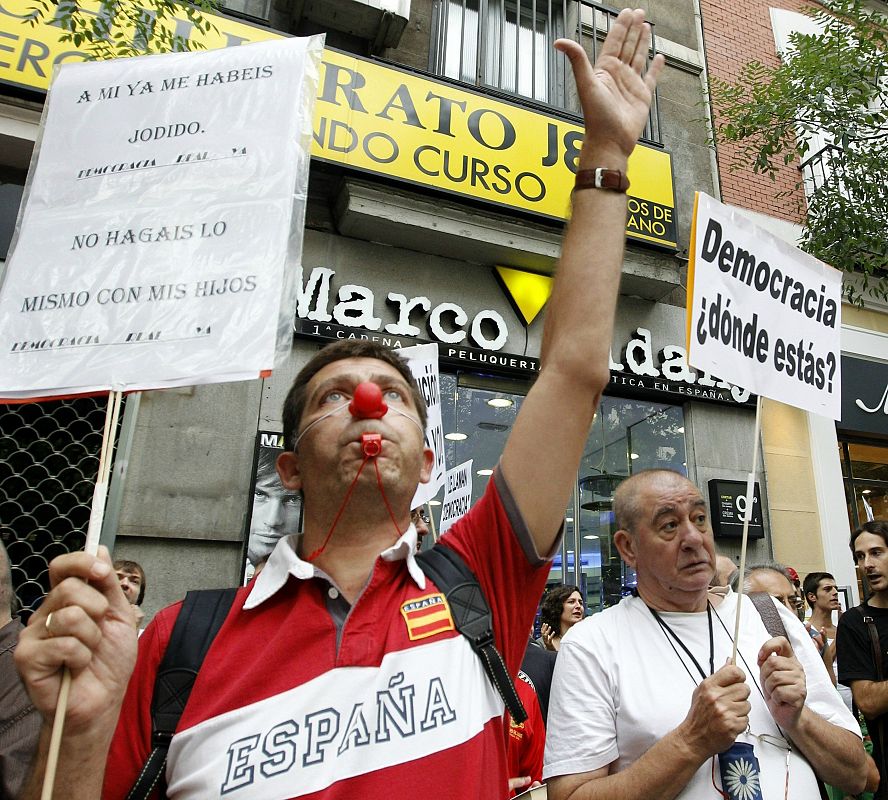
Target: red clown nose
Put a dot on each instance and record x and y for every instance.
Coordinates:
(367, 402)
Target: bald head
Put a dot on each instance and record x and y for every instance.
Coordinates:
(629, 497)
(665, 536)
(773, 581)
(724, 570)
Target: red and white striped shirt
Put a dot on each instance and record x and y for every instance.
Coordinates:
(302, 696)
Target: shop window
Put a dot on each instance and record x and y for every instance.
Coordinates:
(627, 436)
(477, 416)
(865, 469)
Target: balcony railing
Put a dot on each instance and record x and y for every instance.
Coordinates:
(505, 46)
(817, 168)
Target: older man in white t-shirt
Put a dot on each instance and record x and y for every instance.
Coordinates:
(643, 699)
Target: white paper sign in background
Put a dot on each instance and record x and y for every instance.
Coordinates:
(162, 219)
(762, 314)
(457, 495)
(423, 362)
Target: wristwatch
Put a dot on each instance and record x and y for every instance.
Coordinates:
(599, 178)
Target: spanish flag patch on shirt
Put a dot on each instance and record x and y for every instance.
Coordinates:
(426, 616)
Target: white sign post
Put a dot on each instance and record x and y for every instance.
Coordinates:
(423, 362)
(457, 495)
(765, 315)
(162, 222)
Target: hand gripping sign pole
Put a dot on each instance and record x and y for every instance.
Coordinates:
(96, 517)
(135, 263)
(765, 314)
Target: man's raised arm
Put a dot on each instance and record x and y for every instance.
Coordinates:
(541, 457)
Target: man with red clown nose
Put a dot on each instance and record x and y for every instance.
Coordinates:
(338, 672)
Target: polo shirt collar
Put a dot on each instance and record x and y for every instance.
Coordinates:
(285, 561)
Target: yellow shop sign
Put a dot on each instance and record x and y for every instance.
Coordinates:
(389, 121)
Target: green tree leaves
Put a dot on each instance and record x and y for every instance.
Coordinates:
(833, 86)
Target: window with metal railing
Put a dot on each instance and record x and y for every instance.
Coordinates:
(817, 168)
(506, 46)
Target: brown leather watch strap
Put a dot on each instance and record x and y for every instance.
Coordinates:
(599, 178)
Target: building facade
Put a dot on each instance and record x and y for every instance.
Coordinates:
(444, 139)
(825, 478)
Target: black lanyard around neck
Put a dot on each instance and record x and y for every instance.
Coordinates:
(673, 639)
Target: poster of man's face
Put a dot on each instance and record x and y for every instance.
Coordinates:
(274, 510)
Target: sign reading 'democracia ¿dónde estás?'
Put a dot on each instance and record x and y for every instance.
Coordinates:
(763, 312)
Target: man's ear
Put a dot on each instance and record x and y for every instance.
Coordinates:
(625, 544)
(428, 464)
(288, 470)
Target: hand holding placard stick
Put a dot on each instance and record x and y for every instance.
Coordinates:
(765, 314)
(96, 517)
(747, 516)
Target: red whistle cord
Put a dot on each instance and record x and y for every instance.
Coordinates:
(385, 500)
(348, 494)
(370, 439)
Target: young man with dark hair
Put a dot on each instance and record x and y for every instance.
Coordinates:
(131, 577)
(132, 580)
(274, 512)
(338, 672)
(822, 595)
(862, 641)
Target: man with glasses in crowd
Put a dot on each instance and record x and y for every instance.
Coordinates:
(644, 701)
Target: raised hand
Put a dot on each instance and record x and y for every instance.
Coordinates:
(614, 94)
(548, 636)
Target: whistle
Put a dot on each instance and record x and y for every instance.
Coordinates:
(371, 444)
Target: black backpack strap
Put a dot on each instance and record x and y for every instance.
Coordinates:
(199, 620)
(472, 617)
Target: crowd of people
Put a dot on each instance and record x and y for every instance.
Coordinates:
(343, 670)
(804, 704)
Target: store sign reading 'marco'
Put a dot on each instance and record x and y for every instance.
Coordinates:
(477, 342)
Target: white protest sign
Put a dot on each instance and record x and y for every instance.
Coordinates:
(162, 224)
(761, 313)
(423, 362)
(457, 495)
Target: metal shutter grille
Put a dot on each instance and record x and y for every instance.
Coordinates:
(49, 460)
